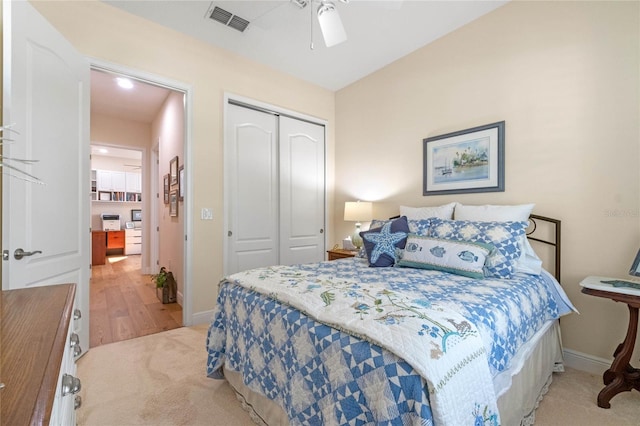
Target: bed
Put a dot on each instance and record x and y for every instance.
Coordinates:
(342, 342)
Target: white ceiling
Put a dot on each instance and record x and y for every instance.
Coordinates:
(279, 35)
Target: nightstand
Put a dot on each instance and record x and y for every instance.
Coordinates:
(338, 253)
(621, 376)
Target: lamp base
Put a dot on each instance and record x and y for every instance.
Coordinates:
(356, 239)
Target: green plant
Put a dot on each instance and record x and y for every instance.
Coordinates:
(160, 278)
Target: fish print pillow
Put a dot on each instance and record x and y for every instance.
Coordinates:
(504, 236)
(456, 257)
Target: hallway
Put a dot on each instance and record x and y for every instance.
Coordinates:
(124, 305)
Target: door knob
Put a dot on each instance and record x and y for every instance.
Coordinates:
(19, 253)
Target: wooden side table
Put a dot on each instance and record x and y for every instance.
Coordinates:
(621, 376)
(338, 253)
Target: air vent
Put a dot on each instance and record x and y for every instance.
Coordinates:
(229, 19)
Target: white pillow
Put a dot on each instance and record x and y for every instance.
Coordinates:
(528, 262)
(417, 213)
(491, 213)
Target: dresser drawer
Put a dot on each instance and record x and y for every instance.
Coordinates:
(115, 239)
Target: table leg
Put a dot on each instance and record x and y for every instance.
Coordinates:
(621, 376)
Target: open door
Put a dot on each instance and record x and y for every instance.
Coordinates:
(46, 98)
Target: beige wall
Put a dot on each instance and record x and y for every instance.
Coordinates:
(168, 130)
(108, 34)
(565, 78)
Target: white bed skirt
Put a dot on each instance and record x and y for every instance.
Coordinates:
(530, 380)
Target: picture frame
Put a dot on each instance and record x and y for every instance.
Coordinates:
(173, 203)
(104, 196)
(136, 215)
(173, 170)
(635, 266)
(465, 161)
(166, 189)
(181, 183)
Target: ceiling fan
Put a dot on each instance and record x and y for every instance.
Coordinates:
(330, 23)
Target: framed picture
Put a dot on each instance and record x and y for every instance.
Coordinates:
(136, 215)
(104, 196)
(181, 183)
(166, 189)
(465, 161)
(173, 170)
(173, 203)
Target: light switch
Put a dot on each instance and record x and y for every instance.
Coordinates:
(206, 214)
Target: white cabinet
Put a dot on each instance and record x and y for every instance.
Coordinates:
(133, 182)
(110, 181)
(133, 241)
(108, 185)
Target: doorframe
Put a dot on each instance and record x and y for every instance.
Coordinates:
(154, 79)
(266, 107)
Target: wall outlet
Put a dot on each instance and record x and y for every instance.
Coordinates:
(206, 214)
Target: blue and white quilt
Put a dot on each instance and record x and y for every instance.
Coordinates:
(342, 343)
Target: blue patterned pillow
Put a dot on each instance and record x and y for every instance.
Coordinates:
(504, 236)
(382, 244)
(419, 227)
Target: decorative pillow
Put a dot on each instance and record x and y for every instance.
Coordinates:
(419, 227)
(528, 262)
(416, 213)
(456, 257)
(504, 236)
(381, 243)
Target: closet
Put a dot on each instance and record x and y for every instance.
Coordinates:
(274, 189)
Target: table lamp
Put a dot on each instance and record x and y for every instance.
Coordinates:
(357, 211)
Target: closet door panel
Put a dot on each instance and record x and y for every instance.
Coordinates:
(253, 204)
(302, 191)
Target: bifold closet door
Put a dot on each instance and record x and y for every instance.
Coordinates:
(274, 190)
(302, 203)
(251, 168)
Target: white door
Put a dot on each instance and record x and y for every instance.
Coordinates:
(46, 96)
(274, 190)
(301, 191)
(251, 173)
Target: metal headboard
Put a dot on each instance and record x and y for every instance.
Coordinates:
(556, 239)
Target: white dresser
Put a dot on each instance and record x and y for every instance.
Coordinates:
(38, 356)
(132, 241)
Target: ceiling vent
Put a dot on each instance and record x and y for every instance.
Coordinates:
(229, 19)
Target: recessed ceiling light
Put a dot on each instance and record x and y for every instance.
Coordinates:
(125, 83)
(103, 150)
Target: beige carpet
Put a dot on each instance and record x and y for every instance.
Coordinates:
(160, 380)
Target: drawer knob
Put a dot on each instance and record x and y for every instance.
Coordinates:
(70, 385)
(77, 402)
(77, 314)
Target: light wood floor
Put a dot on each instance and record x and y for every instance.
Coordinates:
(124, 305)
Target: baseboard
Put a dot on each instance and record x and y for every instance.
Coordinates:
(585, 362)
(202, 317)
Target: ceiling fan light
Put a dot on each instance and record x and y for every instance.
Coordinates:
(331, 24)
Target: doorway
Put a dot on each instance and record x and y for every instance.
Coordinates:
(128, 122)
